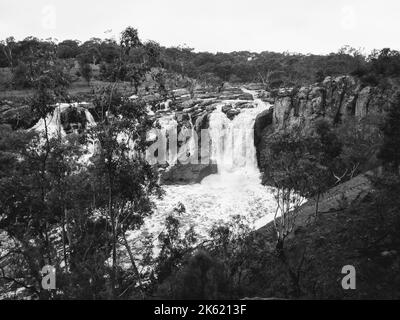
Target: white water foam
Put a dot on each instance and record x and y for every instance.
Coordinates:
(235, 190)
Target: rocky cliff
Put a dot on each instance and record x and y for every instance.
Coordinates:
(193, 112)
(335, 99)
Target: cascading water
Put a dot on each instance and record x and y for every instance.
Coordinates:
(233, 141)
(53, 120)
(55, 128)
(235, 190)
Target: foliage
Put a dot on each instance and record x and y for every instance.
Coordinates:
(389, 152)
(86, 72)
(274, 70)
(380, 65)
(68, 49)
(361, 140)
(58, 211)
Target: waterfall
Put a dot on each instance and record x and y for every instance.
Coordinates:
(90, 122)
(191, 144)
(233, 141)
(235, 190)
(53, 123)
(168, 126)
(233, 148)
(53, 120)
(55, 127)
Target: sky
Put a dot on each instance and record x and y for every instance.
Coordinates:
(304, 26)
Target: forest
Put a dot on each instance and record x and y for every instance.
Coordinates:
(272, 69)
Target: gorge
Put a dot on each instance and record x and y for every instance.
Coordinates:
(235, 189)
(238, 121)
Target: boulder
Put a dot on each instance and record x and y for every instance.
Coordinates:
(244, 96)
(188, 173)
(18, 117)
(211, 108)
(181, 117)
(208, 102)
(232, 113)
(255, 86)
(226, 108)
(207, 96)
(239, 104)
(73, 119)
(180, 92)
(188, 104)
(244, 105)
(202, 122)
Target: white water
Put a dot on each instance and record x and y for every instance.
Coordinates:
(233, 141)
(53, 121)
(55, 128)
(235, 190)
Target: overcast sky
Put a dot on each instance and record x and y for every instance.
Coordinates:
(307, 26)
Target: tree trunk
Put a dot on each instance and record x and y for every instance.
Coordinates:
(114, 238)
(317, 204)
(43, 173)
(135, 269)
(294, 278)
(64, 236)
(113, 277)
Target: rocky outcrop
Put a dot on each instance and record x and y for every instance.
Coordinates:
(230, 110)
(73, 119)
(233, 93)
(188, 173)
(194, 113)
(335, 99)
(17, 116)
(262, 127)
(263, 121)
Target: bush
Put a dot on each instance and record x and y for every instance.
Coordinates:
(20, 76)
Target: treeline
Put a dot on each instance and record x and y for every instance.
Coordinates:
(23, 57)
(273, 69)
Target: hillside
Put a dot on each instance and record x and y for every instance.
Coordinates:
(351, 229)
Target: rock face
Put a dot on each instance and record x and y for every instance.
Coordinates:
(335, 99)
(188, 173)
(234, 93)
(194, 113)
(17, 116)
(230, 111)
(73, 119)
(263, 120)
(262, 124)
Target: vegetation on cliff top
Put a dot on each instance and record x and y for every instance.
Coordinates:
(97, 59)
